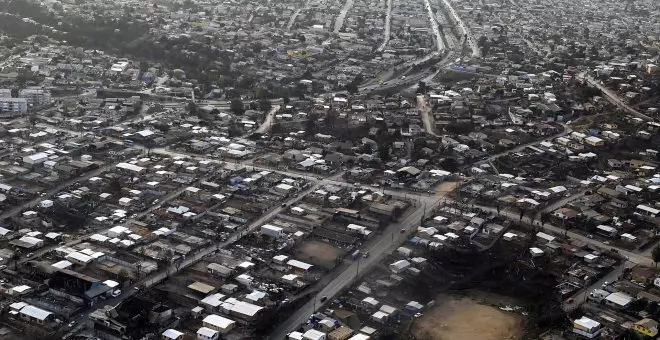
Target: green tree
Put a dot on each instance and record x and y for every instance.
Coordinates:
(237, 106)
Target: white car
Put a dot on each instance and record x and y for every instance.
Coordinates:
(116, 293)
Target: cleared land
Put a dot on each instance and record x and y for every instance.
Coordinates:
(318, 253)
(467, 318)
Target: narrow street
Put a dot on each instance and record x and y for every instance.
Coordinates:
(615, 99)
(424, 110)
(292, 20)
(515, 216)
(268, 121)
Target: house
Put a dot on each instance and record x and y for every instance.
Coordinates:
(594, 141)
(646, 326)
(587, 327)
(172, 334)
(313, 334)
(618, 300)
(212, 302)
(271, 230)
(399, 266)
(218, 323)
(299, 266)
(36, 315)
(206, 333)
(646, 211)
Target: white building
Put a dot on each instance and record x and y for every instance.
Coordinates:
(172, 334)
(13, 105)
(218, 323)
(206, 333)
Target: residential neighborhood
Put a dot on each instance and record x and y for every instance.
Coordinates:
(312, 170)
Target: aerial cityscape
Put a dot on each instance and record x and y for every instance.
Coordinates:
(316, 170)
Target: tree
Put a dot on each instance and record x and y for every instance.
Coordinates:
(33, 120)
(421, 87)
(384, 152)
(265, 105)
(236, 106)
(192, 108)
(352, 88)
(656, 255)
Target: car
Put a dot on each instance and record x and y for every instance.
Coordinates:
(137, 289)
(570, 300)
(29, 255)
(3, 267)
(590, 236)
(402, 231)
(72, 323)
(116, 293)
(365, 254)
(324, 299)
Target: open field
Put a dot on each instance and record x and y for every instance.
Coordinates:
(318, 253)
(469, 317)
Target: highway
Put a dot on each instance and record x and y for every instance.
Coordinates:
(463, 29)
(439, 43)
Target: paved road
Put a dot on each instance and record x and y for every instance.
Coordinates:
(580, 297)
(564, 201)
(515, 216)
(339, 22)
(425, 110)
(566, 131)
(268, 122)
(292, 20)
(388, 23)
(613, 98)
(388, 241)
(439, 43)
(156, 278)
(463, 29)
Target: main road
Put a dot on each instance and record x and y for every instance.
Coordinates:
(390, 239)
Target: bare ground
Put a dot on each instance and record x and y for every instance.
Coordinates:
(469, 317)
(318, 253)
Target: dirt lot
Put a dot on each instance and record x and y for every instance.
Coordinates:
(469, 317)
(445, 188)
(318, 253)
